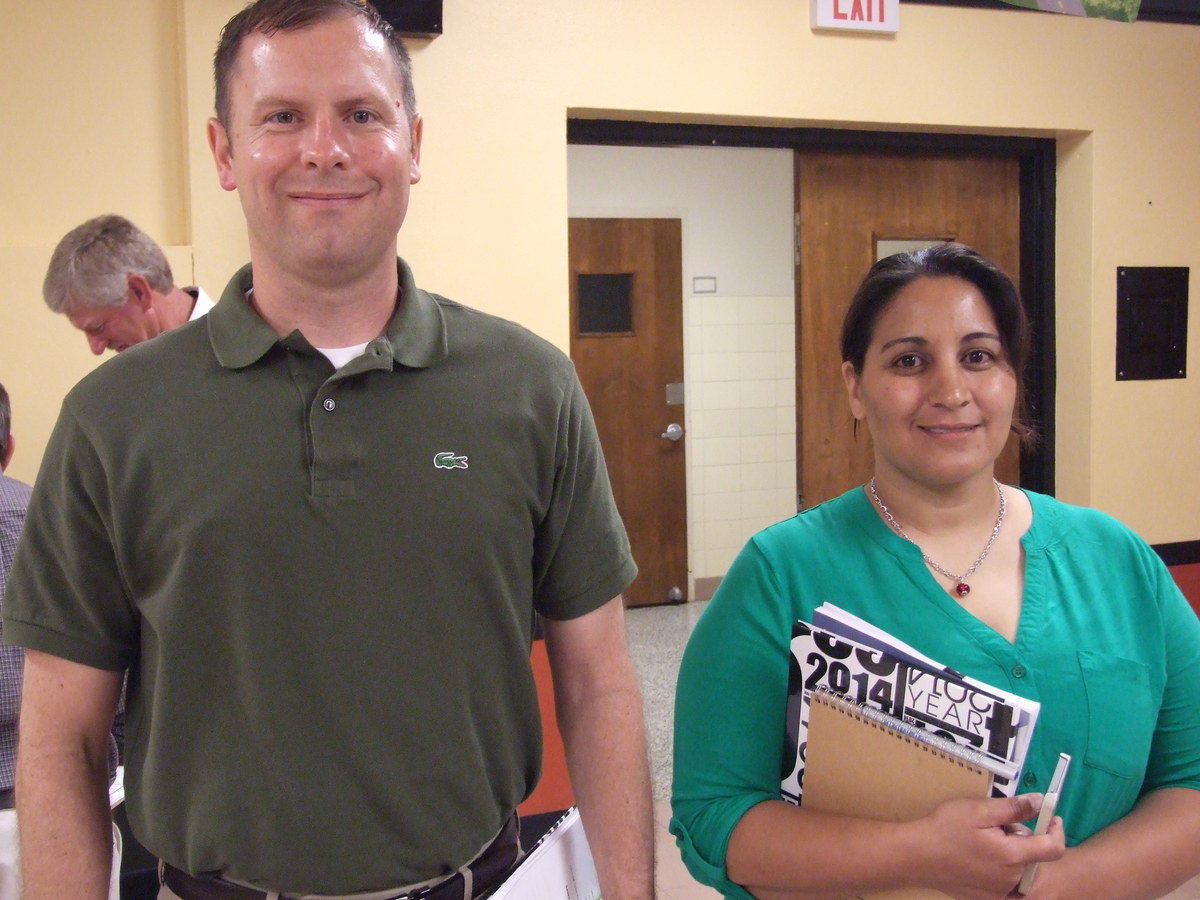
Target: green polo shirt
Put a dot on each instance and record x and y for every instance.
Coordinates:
(322, 582)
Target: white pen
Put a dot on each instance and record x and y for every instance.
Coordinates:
(1045, 815)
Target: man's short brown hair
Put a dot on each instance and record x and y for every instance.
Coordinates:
(270, 16)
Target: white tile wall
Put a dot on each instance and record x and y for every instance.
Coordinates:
(741, 422)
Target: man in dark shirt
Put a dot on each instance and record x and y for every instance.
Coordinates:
(327, 628)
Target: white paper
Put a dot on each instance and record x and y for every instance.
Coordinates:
(560, 867)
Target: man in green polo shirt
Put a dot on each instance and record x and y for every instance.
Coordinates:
(319, 560)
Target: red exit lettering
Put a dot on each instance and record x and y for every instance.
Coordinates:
(859, 10)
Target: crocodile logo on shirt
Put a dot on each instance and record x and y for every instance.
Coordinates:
(447, 460)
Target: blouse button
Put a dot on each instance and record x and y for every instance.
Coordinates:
(1030, 779)
(1018, 671)
(329, 404)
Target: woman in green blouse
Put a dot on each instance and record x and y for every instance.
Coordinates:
(1059, 604)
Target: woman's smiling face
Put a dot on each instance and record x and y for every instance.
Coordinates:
(936, 388)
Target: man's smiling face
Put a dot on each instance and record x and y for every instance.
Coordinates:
(320, 149)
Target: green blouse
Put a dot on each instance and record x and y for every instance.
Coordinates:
(1106, 643)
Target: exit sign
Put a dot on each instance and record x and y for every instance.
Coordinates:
(857, 15)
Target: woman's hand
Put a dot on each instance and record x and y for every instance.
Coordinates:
(978, 850)
(1147, 853)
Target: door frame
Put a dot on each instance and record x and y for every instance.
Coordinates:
(1038, 160)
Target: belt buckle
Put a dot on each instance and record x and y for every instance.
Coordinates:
(420, 893)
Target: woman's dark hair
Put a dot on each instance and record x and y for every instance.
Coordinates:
(891, 274)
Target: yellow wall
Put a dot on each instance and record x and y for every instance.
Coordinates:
(123, 129)
(91, 124)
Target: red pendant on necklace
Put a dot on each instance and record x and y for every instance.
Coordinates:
(962, 589)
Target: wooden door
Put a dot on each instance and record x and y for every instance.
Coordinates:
(627, 345)
(846, 202)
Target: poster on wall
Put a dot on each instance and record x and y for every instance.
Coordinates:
(1178, 11)
(1121, 10)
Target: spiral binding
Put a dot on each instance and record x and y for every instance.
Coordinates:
(967, 757)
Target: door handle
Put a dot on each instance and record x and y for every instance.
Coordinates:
(674, 432)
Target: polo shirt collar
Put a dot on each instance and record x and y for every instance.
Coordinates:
(417, 331)
(416, 334)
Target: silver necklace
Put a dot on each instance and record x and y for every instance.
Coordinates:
(960, 581)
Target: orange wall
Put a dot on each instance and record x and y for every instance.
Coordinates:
(1187, 577)
(553, 792)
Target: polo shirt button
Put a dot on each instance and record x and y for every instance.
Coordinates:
(1018, 671)
(1030, 779)
(329, 404)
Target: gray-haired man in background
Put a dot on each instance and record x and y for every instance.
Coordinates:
(115, 285)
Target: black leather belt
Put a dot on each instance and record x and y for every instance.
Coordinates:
(487, 870)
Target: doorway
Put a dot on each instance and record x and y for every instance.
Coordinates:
(735, 205)
(627, 345)
(634, 185)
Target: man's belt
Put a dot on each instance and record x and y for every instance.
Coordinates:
(480, 875)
